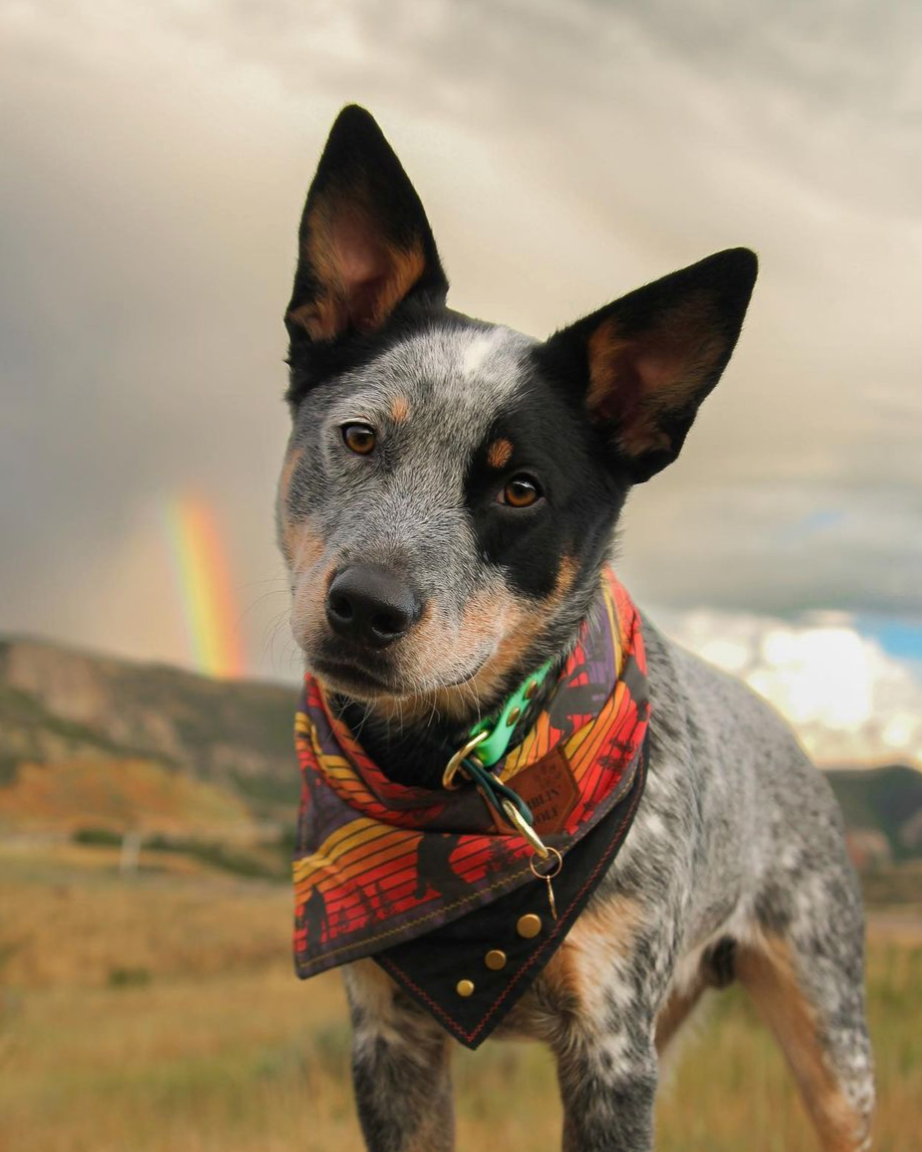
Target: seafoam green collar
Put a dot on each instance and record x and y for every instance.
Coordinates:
(492, 749)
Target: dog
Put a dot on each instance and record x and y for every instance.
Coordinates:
(447, 506)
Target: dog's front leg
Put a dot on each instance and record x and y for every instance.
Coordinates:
(400, 1067)
(403, 1091)
(596, 1004)
(608, 1085)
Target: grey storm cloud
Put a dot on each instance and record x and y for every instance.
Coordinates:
(155, 159)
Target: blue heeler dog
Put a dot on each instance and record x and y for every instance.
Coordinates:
(447, 504)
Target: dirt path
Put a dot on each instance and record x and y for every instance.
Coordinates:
(902, 924)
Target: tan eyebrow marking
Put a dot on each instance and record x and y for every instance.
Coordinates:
(499, 453)
(400, 409)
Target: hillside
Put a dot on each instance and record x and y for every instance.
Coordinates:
(119, 741)
(89, 740)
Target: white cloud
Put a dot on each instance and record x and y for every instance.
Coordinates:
(846, 697)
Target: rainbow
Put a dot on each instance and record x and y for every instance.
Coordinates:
(203, 581)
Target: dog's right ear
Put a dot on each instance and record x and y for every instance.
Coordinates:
(365, 242)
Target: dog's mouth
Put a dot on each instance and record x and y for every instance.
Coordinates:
(353, 678)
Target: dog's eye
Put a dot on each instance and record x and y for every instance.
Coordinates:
(359, 438)
(520, 492)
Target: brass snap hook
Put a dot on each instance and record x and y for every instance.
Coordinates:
(521, 825)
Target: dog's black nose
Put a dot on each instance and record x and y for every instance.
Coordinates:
(371, 606)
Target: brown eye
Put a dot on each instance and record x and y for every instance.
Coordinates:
(520, 492)
(359, 438)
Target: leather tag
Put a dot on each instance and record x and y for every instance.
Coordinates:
(549, 789)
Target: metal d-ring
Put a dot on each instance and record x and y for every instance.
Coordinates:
(455, 764)
(556, 865)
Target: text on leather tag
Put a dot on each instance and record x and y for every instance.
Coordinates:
(549, 789)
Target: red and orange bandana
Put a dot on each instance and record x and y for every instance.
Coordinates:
(379, 864)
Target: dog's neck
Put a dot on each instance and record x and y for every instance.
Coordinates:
(414, 751)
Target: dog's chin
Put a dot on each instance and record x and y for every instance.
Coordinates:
(356, 681)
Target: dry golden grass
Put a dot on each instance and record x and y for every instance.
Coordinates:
(161, 1013)
(65, 923)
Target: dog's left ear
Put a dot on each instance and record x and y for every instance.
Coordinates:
(364, 243)
(647, 361)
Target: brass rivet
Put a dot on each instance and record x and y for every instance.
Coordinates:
(528, 926)
(513, 716)
(495, 959)
(531, 689)
(465, 988)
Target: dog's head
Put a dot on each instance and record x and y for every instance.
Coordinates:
(451, 487)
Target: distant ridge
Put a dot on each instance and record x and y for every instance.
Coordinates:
(67, 712)
(887, 799)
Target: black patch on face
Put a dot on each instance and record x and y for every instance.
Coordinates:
(554, 443)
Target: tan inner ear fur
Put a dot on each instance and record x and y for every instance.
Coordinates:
(361, 277)
(636, 382)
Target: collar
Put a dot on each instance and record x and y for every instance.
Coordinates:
(379, 864)
(493, 737)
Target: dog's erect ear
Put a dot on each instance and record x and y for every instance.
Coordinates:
(365, 242)
(648, 360)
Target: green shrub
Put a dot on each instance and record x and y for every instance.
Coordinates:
(103, 836)
(128, 977)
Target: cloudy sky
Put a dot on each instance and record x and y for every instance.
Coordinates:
(155, 158)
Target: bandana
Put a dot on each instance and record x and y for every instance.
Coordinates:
(416, 878)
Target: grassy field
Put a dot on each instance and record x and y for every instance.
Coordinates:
(160, 1012)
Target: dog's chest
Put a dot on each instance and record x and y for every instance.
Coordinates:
(590, 976)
